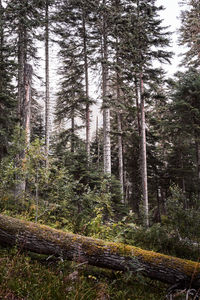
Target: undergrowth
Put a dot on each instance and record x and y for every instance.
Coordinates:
(35, 277)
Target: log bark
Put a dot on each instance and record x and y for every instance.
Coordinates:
(45, 240)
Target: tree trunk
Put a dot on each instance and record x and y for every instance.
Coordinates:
(45, 240)
(47, 100)
(119, 121)
(106, 108)
(21, 52)
(72, 133)
(86, 86)
(144, 156)
(21, 64)
(197, 145)
(98, 145)
(138, 109)
(26, 112)
(1, 44)
(26, 126)
(120, 155)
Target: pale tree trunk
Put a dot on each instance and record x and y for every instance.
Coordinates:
(119, 122)
(45, 240)
(47, 99)
(138, 107)
(72, 134)
(144, 155)
(21, 63)
(24, 101)
(27, 103)
(1, 43)
(36, 196)
(106, 109)
(97, 139)
(21, 184)
(26, 119)
(197, 144)
(120, 155)
(86, 86)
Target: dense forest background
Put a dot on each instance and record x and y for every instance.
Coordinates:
(133, 177)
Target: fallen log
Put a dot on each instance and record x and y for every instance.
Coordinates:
(45, 240)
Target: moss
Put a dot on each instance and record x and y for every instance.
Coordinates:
(97, 247)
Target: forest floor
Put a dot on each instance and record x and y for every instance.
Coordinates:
(26, 276)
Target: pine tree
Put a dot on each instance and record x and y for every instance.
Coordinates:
(186, 115)
(140, 31)
(70, 98)
(24, 18)
(7, 96)
(75, 20)
(190, 30)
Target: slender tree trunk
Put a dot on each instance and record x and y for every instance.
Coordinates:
(36, 197)
(47, 99)
(138, 107)
(24, 98)
(119, 121)
(183, 182)
(97, 139)
(159, 199)
(21, 64)
(72, 134)
(120, 155)
(144, 156)
(27, 103)
(106, 108)
(1, 44)
(86, 86)
(197, 144)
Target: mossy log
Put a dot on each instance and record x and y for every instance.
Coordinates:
(45, 240)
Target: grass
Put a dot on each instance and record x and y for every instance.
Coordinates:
(33, 277)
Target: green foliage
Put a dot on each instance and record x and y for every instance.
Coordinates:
(183, 216)
(11, 167)
(36, 277)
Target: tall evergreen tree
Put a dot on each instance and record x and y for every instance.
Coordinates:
(24, 18)
(190, 32)
(7, 92)
(70, 98)
(186, 128)
(141, 39)
(75, 20)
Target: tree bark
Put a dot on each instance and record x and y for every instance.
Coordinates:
(21, 64)
(98, 144)
(120, 155)
(119, 119)
(106, 108)
(72, 133)
(138, 108)
(27, 103)
(47, 100)
(197, 145)
(45, 240)
(1, 44)
(144, 156)
(86, 86)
